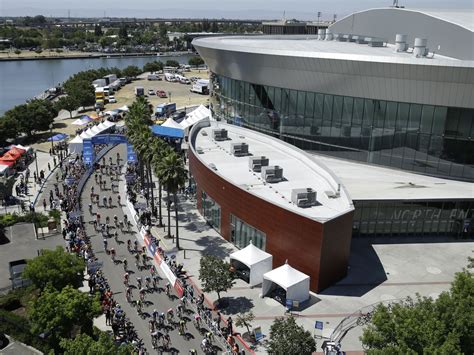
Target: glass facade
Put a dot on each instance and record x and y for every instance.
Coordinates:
(211, 211)
(411, 218)
(241, 234)
(433, 140)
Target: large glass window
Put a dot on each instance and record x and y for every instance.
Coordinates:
(211, 211)
(424, 138)
(241, 234)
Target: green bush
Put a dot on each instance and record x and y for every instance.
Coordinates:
(10, 219)
(17, 298)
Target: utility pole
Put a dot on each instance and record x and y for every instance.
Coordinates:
(334, 17)
(319, 17)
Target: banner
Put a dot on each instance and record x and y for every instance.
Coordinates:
(131, 156)
(88, 151)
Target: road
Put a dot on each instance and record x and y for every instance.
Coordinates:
(114, 272)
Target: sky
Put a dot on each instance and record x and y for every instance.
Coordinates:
(241, 9)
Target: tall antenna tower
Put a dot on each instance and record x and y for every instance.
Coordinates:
(319, 16)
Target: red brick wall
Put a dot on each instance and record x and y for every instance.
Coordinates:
(288, 235)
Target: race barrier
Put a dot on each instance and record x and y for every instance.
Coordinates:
(161, 263)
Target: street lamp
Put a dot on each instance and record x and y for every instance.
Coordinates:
(51, 131)
(169, 95)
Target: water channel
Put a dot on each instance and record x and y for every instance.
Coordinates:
(23, 79)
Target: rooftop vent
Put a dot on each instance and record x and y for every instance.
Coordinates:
(303, 197)
(332, 194)
(359, 39)
(272, 174)
(419, 48)
(328, 36)
(213, 166)
(199, 150)
(321, 34)
(340, 37)
(401, 43)
(219, 134)
(375, 42)
(256, 163)
(240, 149)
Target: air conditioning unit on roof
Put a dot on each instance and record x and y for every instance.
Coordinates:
(256, 163)
(303, 197)
(240, 149)
(219, 134)
(272, 174)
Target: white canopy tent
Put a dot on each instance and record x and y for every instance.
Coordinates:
(294, 282)
(86, 134)
(256, 260)
(124, 108)
(195, 116)
(172, 124)
(76, 145)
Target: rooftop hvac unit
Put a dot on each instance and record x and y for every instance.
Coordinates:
(419, 48)
(375, 42)
(213, 166)
(256, 163)
(219, 134)
(199, 150)
(359, 39)
(340, 37)
(240, 149)
(401, 43)
(303, 197)
(321, 34)
(272, 173)
(328, 36)
(203, 133)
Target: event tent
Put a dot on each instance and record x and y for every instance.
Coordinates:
(124, 108)
(195, 116)
(170, 122)
(5, 169)
(58, 137)
(76, 145)
(255, 260)
(167, 131)
(294, 282)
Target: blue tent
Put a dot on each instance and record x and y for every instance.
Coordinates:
(58, 137)
(167, 131)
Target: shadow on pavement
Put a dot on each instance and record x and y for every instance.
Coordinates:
(234, 305)
(365, 272)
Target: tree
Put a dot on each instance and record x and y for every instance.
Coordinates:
(245, 320)
(17, 52)
(82, 90)
(37, 115)
(59, 313)
(68, 103)
(55, 267)
(123, 32)
(8, 129)
(215, 275)
(131, 71)
(98, 30)
(153, 66)
(84, 344)
(173, 176)
(422, 325)
(195, 61)
(172, 63)
(287, 337)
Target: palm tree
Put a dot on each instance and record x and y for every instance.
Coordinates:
(160, 149)
(173, 175)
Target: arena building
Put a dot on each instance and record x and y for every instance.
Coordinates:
(384, 103)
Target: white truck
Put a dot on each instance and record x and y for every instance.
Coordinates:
(201, 86)
(170, 77)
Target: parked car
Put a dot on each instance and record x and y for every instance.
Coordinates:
(112, 99)
(16, 269)
(179, 116)
(161, 94)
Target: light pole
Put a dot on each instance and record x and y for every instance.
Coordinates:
(169, 95)
(36, 163)
(51, 131)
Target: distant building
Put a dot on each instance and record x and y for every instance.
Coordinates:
(292, 27)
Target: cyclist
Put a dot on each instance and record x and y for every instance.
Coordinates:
(182, 327)
(90, 208)
(148, 282)
(119, 200)
(179, 310)
(107, 220)
(125, 279)
(104, 200)
(139, 282)
(170, 315)
(154, 314)
(161, 319)
(129, 294)
(197, 320)
(168, 286)
(166, 341)
(156, 279)
(110, 201)
(137, 261)
(192, 352)
(112, 254)
(129, 245)
(125, 264)
(142, 293)
(139, 306)
(115, 220)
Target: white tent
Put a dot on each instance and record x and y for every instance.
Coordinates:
(76, 145)
(95, 131)
(108, 123)
(256, 260)
(124, 108)
(195, 116)
(172, 124)
(294, 282)
(86, 134)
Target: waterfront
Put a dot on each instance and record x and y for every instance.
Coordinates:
(22, 80)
